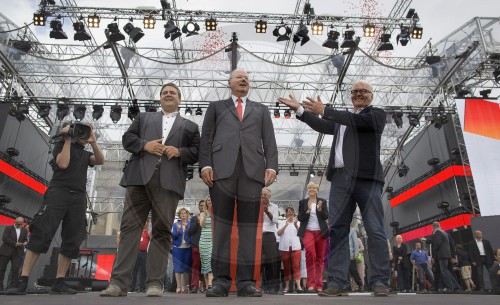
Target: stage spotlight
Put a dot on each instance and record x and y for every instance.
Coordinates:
(312, 174)
(389, 189)
(79, 112)
(485, 93)
(404, 36)
(116, 113)
(43, 110)
(198, 111)
(57, 31)
(496, 74)
(189, 174)
(149, 22)
(114, 32)
(332, 40)
(317, 28)
(434, 162)
(260, 26)
(151, 108)
(4, 199)
(80, 34)
(443, 206)
(188, 111)
(369, 30)
(133, 111)
(440, 120)
(23, 108)
(277, 114)
(348, 39)
(97, 113)
(210, 24)
(62, 111)
(39, 19)
(283, 32)
(413, 120)
(320, 173)
(301, 35)
(12, 152)
(133, 32)
(394, 224)
(171, 30)
(417, 32)
(398, 119)
(403, 170)
(93, 21)
(385, 43)
(287, 114)
(191, 28)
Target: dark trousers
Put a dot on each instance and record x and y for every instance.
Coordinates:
(224, 194)
(445, 273)
(14, 266)
(403, 277)
(139, 271)
(139, 201)
(345, 192)
(478, 270)
(270, 278)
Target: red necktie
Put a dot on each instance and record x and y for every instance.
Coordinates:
(239, 109)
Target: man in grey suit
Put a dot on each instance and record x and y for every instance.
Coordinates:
(14, 240)
(238, 157)
(162, 144)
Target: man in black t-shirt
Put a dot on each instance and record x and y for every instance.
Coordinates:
(65, 200)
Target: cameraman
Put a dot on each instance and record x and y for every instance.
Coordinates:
(65, 200)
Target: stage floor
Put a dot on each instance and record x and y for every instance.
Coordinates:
(288, 299)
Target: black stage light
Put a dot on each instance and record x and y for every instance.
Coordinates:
(398, 119)
(394, 224)
(260, 26)
(97, 112)
(369, 30)
(277, 114)
(135, 33)
(433, 162)
(189, 174)
(287, 114)
(385, 43)
(4, 199)
(12, 152)
(114, 32)
(348, 39)
(80, 34)
(301, 35)
(403, 170)
(191, 28)
(211, 24)
(413, 120)
(62, 111)
(151, 108)
(389, 189)
(312, 174)
(133, 111)
(79, 112)
(332, 40)
(404, 36)
(317, 28)
(116, 113)
(149, 22)
(23, 108)
(198, 111)
(320, 173)
(43, 110)
(496, 74)
(283, 32)
(188, 111)
(485, 93)
(57, 31)
(171, 30)
(93, 21)
(39, 19)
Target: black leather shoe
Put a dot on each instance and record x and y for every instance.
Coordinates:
(333, 291)
(249, 291)
(380, 290)
(19, 289)
(216, 291)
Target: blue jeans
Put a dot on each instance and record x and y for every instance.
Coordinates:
(424, 268)
(345, 192)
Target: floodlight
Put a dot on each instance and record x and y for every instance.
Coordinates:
(149, 22)
(188, 111)
(191, 28)
(93, 21)
(57, 31)
(260, 26)
(97, 113)
(369, 30)
(114, 32)
(283, 32)
(116, 113)
(332, 40)
(80, 34)
(348, 39)
(135, 33)
(39, 19)
(43, 110)
(385, 43)
(317, 28)
(79, 112)
(62, 111)
(211, 24)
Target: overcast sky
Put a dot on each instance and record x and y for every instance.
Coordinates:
(438, 17)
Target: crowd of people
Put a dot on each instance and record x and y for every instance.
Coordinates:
(318, 249)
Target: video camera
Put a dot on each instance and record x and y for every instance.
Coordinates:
(76, 131)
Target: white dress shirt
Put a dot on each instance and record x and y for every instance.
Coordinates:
(313, 223)
(168, 121)
(18, 233)
(269, 225)
(480, 246)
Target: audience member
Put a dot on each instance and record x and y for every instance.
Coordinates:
(14, 239)
(206, 242)
(495, 273)
(139, 270)
(195, 232)
(420, 259)
(290, 249)
(353, 256)
(402, 264)
(465, 267)
(482, 256)
(270, 276)
(181, 251)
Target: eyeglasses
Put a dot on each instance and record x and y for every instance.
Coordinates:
(362, 91)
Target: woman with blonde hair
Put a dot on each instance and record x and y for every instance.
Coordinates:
(206, 242)
(313, 214)
(181, 250)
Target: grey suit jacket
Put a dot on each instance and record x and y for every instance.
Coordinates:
(184, 135)
(223, 135)
(9, 238)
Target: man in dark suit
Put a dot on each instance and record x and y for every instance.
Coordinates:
(14, 239)
(356, 176)
(162, 144)
(238, 157)
(482, 255)
(442, 252)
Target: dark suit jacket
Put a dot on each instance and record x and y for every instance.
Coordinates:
(488, 249)
(361, 147)
(303, 217)
(223, 136)
(9, 238)
(147, 126)
(440, 244)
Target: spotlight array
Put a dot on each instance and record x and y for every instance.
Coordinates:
(39, 19)
(369, 30)
(210, 24)
(260, 26)
(417, 32)
(317, 28)
(93, 21)
(149, 22)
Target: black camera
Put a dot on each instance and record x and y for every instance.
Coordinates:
(75, 131)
